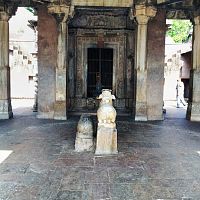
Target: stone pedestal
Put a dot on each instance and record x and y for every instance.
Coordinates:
(5, 101)
(84, 137)
(106, 140)
(106, 131)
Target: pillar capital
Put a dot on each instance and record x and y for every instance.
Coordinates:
(197, 20)
(59, 11)
(143, 13)
(6, 11)
(4, 16)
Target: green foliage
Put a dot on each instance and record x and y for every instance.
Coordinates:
(179, 30)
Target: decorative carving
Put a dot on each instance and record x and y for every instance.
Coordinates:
(84, 136)
(98, 20)
(144, 13)
(59, 11)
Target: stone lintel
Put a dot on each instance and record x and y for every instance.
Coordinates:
(104, 3)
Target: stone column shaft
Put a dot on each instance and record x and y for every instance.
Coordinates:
(61, 73)
(61, 12)
(142, 15)
(193, 112)
(196, 44)
(5, 101)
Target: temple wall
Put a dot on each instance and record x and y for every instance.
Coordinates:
(155, 65)
(47, 45)
(117, 31)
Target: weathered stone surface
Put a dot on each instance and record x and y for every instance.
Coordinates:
(157, 160)
(47, 62)
(5, 101)
(106, 140)
(142, 15)
(194, 99)
(84, 136)
(109, 3)
(106, 131)
(155, 66)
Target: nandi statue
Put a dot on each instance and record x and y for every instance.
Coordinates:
(106, 113)
(106, 131)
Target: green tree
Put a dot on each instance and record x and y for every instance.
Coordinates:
(179, 30)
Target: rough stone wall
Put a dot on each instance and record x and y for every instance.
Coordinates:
(155, 65)
(47, 45)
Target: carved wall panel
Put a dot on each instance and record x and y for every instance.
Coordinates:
(117, 32)
(118, 44)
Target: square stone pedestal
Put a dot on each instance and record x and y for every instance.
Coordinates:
(84, 144)
(106, 140)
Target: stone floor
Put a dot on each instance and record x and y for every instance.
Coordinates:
(156, 161)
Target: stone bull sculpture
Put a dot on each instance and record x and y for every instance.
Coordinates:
(106, 131)
(106, 112)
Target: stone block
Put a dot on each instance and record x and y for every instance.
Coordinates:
(106, 140)
(84, 137)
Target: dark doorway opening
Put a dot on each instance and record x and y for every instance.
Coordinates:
(100, 70)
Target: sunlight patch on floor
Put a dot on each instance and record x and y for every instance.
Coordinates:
(4, 155)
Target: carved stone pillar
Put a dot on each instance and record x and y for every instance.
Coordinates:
(61, 12)
(5, 100)
(193, 112)
(142, 15)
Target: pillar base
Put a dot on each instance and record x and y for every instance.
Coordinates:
(5, 109)
(141, 118)
(60, 110)
(141, 111)
(193, 111)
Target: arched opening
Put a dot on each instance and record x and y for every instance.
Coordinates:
(178, 63)
(23, 60)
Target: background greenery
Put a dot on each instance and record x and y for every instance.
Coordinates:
(179, 30)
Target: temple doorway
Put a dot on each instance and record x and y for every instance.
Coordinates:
(100, 70)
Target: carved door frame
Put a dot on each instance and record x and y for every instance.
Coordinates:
(117, 43)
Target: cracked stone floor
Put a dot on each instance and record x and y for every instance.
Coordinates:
(156, 161)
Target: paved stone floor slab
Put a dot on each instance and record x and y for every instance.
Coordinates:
(156, 161)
